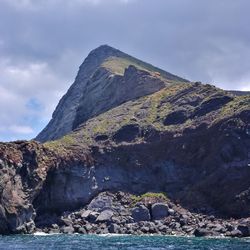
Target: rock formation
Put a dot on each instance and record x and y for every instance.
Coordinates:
(104, 81)
(128, 128)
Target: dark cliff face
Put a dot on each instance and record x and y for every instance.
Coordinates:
(137, 129)
(190, 141)
(64, 115)
(111, 90)
(23, 169)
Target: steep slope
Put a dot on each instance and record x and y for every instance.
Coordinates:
(190, 141)
(180, 140)
(104, 81)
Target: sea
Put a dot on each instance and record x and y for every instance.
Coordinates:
(121, 242)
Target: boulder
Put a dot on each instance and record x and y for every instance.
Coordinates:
(245, 230)
(85, 214)
(145, 229)
(159, 211)
(187, 229)
(203, 232)
(235, 233)
(171, 211)
(140, 213)
(67, 230)
(88, 227)
(67, 221)
(219, 228)
(54, 231)
(105, 216)
(113, 228)
(82, 230)
(162, 228)
(93, 216)
(102, 202)
(31, 227)
(76, 227)
(183, 222)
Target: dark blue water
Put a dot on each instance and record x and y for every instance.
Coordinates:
(119, 242)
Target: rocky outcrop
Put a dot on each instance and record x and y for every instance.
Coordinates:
(64, 115)
(23, 168)
(113, 90)
(125, 216)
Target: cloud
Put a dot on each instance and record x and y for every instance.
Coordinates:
(28, 96)
(33, 5)
(42, 44)
(21, 129)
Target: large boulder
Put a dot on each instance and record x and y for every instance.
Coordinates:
(102, 202)
(114, 228)
(85, 214)
(159, 211)
(140, 213)
(105, 216)
(203, 232)
(67, 230)
(245, 230)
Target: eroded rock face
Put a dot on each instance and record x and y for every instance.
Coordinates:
(177, 117)
(112, 90)
(23, 169)
(64, 115)
(69, 188)
(164, 165)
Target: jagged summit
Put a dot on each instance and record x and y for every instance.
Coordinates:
(107, 51)
(100, 54)
(106, 78)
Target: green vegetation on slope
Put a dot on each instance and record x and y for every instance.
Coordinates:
(152, 110)
(117, 65)
(149, 195)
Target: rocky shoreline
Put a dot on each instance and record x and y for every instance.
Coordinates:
(122, 213)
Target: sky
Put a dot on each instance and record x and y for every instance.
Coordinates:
(43, 43)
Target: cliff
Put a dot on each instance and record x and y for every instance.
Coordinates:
(104, 81)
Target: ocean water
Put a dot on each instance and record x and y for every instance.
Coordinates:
(109, 242)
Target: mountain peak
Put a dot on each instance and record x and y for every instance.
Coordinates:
(103, 52)
(105, 48)
(101, 84)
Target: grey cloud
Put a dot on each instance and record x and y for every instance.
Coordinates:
(196, 39)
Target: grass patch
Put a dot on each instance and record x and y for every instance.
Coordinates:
(239, 104)
(154, 196)
(118, 65)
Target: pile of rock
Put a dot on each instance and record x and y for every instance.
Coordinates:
(117, 214)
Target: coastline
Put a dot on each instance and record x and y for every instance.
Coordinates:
(122, 214)
(42, 234)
